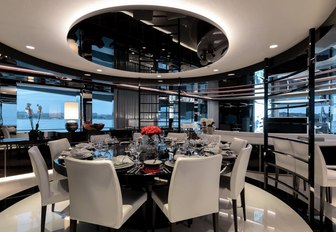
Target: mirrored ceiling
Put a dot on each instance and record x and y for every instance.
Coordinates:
(148, 41)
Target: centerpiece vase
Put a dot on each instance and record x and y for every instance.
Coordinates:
(210, 130)
(149, 147)
(35, 135)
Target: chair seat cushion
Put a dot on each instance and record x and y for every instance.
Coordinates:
(59, 190)
(160, 197)
(132, 200)
(331, 177)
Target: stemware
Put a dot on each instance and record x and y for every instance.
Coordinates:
(138, 150)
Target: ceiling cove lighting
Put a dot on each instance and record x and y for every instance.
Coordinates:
(273, 46)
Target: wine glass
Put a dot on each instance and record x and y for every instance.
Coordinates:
(138, 150)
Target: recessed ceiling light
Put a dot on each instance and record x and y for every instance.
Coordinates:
(159, 76)
(99, 70)
(216, 70)
(87, 74)
(30, 47)
(273, 46)
(231, 74)
(143, 47)
(163, 49)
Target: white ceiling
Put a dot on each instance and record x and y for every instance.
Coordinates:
(251, 26)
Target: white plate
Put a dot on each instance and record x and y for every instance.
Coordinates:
(169, 163)
(152, 162)
(123, 165)
(122, 161)
(81, 156)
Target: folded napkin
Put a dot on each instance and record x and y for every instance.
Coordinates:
(121, 159)
(213, 149)
(151, 171)
(84, 145)
(80, 153)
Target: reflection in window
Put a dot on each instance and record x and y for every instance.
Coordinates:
(52, 101)
(102, 108)
(8, 114)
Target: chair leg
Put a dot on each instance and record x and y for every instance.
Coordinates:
(43, 217)
(242, 198)
(73, 225)
(144, 216)
(235, 220)
(171, 225)
(153, 216)
(190, 221)
(215, 222)
(296, 184)
(329, 195)
(322, 194)
(53, 207)
(276, 177)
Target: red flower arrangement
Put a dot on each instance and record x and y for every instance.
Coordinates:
(150, 130)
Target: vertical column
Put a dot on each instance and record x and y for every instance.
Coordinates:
(311, 125)
(139, 106)
(266, 119)
(212, 105)
(179, 105)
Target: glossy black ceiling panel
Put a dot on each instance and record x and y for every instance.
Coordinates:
(147, 41)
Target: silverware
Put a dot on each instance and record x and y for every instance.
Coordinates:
(131, 170)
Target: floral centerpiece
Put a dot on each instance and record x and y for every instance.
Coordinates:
(151, 130)
(149, 141)
(34, 134)
(207, 125)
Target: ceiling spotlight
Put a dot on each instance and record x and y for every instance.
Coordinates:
(99, 70)
(273, 46)
(30, 47)
(215, 70)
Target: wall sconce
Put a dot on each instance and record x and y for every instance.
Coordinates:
(71, 114)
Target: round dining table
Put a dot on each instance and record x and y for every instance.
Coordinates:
(143, 175)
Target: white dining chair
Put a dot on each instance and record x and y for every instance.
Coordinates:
(56, 147)
(99, 138)
(5, 132)
(193, 190)
(300, 152)
(282, 150)
(324, 177)
(234, 185)
(177, 137)
(96, 196)
(237, 144)
(51, 192)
